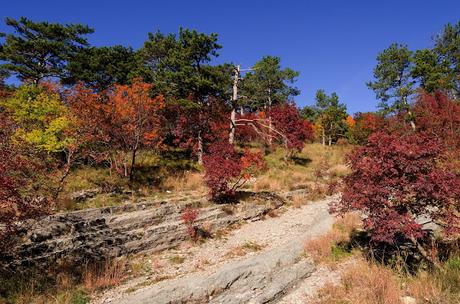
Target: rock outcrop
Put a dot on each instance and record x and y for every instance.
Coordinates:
(97, 234)
(262, 278)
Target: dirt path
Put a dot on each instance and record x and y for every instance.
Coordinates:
(256, 263)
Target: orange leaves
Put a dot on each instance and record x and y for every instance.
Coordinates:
(251, 163)
(123, 118)
(350, 121)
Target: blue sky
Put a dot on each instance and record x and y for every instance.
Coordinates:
(332, 43)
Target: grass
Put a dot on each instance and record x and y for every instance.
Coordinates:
(62, 287)
(313, 168)
(333, 247)
(371, 282)
(176, 259)
(368, 282)
(155, 174)
(244, 249)
(363, 283)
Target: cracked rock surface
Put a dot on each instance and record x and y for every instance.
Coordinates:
(263, 277)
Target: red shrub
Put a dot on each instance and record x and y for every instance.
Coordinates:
(222, 164)
(396, 179)
(225, 166)
(189, 216)
(439, 116)
(365, 124)
(17, 172)
(245, 133)
(286, 119)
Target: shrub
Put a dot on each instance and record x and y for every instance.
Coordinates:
(225, 166)
(189, 216)
(397, 178)
(287, 120)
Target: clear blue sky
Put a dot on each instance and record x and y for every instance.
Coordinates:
(332, 43)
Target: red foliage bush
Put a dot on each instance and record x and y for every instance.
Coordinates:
(396, 179)
(245, 133)
(365, 124)
(440, 116)
(287, 120)
(189, 217)
(16, 173)
(223, 165)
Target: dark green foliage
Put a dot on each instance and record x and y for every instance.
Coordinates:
(309, 113)
(36, 50)
(101, 67)
(268, 84)
(447, 48)
(430, 71)
(393, 82)
(179, 65)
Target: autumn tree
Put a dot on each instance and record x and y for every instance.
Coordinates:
(439, 115)
(37, 50)
(365, 124)
(179, 68)
(44, 122)
(19, 194)
(293, 130)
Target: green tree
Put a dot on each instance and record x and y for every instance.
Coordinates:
(101, 67)
(267, 84)
(44, 123)
(179, 68)
(447, 47)
(431, 71)
(179, 65)
(309, 113)
(36, 50)
(393, 83)
(331, 116)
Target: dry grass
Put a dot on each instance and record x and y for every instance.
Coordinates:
(111, 274)
(364, 283)
(426, 289)
(244, 249)
(190, 181)
(327, 249)
(313, 168)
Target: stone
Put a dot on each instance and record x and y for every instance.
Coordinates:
(104, 233)
(84, 195)
(408, 300)
(262, 278)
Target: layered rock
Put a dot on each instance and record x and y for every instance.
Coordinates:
(97, 234)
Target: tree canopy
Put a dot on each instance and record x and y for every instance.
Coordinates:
(37, 50)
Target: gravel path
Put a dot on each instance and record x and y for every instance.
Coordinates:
(291, 228)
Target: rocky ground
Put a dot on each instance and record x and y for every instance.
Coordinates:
(259, 262)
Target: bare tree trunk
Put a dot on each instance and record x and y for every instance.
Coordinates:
(133, 162)
(269, 118)
(64, 175)
(231, 137)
